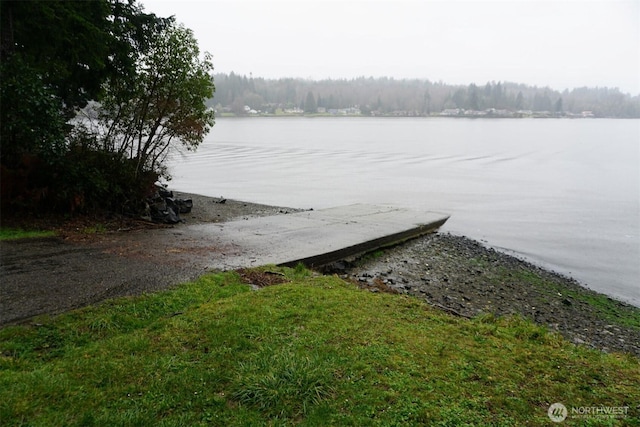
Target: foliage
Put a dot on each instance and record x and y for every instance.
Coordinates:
(65, 42)
(310, 105)
(315, 351)
(162, 104)
(414, 97)
(56, 57)
(89, 179)
(31, 119)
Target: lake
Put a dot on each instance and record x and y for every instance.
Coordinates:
(564, 194)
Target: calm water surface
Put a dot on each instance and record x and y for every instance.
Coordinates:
(562, 193)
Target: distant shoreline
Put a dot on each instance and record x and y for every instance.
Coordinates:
(433, 116)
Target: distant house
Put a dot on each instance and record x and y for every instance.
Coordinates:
(249, 110)
(351, 111)
(524, 113)
(451, 112)
(474, 113)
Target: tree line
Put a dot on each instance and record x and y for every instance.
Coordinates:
(94, 94)
(412, 97)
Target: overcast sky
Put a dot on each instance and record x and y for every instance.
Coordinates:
(556, 43)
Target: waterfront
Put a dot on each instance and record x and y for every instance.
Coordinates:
(562, 193)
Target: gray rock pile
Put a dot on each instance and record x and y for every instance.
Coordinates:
(164, 208)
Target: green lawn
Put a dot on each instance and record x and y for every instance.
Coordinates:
(315, 351)
(18, 233)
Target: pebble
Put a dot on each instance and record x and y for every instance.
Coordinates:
(435, 266)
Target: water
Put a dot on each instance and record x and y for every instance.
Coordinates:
(562, 193)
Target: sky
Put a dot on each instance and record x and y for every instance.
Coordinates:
(562, 44)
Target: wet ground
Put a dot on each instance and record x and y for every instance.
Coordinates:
(465, 278)
(91, 262)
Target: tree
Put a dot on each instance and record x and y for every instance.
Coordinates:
(74, 46)
(460, 98)
(65, 42)
(474, 102)
(426, 103)
(519, 101)
(53, 57)
(310, 105)
(497, 96)
(558, 106)
(31, 118)
(542, 102)
(162, 106)
(389, 96)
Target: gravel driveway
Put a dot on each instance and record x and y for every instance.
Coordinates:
(78, 268)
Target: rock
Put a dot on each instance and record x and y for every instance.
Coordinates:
(338, 267)
(164, 193)
(172, 216)
(184, 205)
(164, 208)
(439, 266)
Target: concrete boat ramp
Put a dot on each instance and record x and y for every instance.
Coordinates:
(316, 238)
(47, 276)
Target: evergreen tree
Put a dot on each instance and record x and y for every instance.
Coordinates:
(55, 57)
(310, 105)
(408, 97)
(474, 101)
(519, 105)
(558, 106)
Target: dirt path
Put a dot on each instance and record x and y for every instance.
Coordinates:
(53, 275)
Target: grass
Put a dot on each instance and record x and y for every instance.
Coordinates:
(95, 229)
(18, 233)
(314, 351)
(605, 307)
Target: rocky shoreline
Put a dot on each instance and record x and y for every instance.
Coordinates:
(453, 273)
(465, 278)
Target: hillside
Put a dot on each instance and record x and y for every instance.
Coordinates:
(242, 95)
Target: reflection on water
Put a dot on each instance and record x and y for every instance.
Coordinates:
(563, 193)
